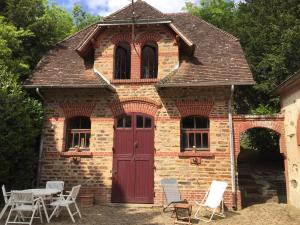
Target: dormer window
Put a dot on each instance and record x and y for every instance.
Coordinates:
(149, 64)
(122, 61)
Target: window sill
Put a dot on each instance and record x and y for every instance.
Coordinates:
(76, 154)
(202, 154)
(134, 81)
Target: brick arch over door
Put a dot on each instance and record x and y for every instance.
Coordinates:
(131, 105)
(244, 123)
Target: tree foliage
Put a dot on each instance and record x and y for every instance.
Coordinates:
(83, 18)
(20, 118)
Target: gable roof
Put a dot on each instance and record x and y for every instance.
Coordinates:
(218, 58)
(290, 82)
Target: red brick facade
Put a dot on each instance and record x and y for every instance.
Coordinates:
(93, 169)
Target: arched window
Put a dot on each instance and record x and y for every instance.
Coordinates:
(78, 133)
(194, 133)
(122, 61)
(149, 64)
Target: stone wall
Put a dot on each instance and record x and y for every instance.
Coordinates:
(94, 171)
(290, 103)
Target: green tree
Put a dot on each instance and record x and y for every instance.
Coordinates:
(53, 26)
(221, 13)
(12, 53)
(20, 124)
(83, 18)
(269, 32)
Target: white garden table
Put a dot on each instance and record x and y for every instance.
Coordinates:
(39, 193)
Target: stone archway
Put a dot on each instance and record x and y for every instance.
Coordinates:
(242, 124)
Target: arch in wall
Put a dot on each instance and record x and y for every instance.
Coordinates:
(136, 104)
(274, 123)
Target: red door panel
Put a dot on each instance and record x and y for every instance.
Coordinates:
(133, 163)
(143, 181)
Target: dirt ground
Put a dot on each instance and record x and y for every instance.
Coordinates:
(260, 214)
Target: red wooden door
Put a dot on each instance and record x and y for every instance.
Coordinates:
(133, 163)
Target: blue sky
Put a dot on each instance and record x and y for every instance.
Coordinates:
(105, 7)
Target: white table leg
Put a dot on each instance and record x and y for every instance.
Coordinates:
(45, 210)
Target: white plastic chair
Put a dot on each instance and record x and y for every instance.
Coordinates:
(66, 201)
(24, 202)
(7, 202)
(59, 185)
(212, 200)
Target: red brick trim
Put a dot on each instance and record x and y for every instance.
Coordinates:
(190, 108)
(76, 154)
(244, 123)
(149, 37)
(298, 130)
(135, 104)
(196, 154)
(77, 109)
(100, 119)
(134, 81)
(182, 154)
(56, 155)
(56, 119)
(121, 37)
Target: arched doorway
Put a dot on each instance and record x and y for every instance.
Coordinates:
(271, 126)
(260, 167)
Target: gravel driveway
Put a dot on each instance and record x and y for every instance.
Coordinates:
(263, 214)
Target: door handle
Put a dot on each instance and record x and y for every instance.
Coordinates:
(135, 144)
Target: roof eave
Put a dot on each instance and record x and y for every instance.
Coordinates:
(286, 84)
(202, 84)
(71, 86)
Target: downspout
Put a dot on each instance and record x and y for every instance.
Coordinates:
(37, 90)
(231, 148)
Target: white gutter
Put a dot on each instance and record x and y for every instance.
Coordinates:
(231, 147)
(41, 145)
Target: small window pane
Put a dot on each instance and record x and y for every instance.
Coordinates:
(148, 122)
(120, 122)
(191, 140)
(69, 140)
(201, 122)
(128, 121)
(198, 141)
(88, 137)
(205, 140)
(76, 140)
(124, 122)
(139, 121)
(184, 141)
(85, 123)
(188, 122)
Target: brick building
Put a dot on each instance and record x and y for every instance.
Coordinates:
(143, 96)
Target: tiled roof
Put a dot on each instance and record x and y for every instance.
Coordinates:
(63, 67)
(218, 58)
